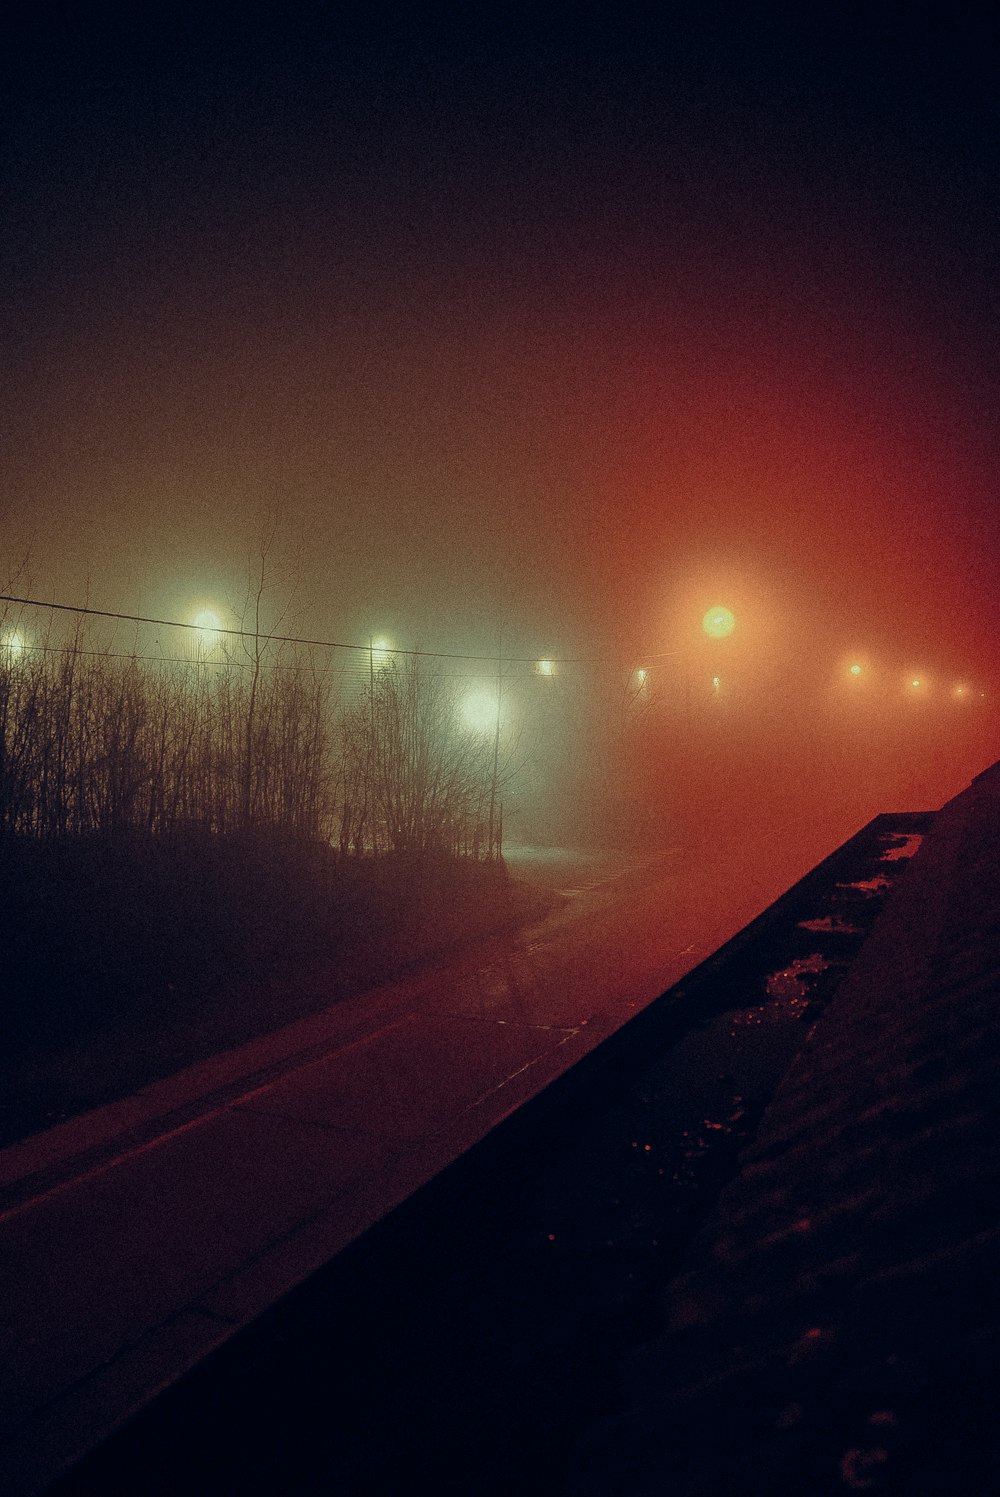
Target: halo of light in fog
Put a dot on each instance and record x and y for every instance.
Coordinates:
(857, 670)
(718, 622)
(208, 624)
(13, 644)
(381, 653)
(481, 711)
(545, 667)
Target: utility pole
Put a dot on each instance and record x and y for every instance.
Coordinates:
(496, 744)
(369, 800)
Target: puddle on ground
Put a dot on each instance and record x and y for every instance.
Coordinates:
(907, 843)
(788, 994)
(767, 1013)
(834, 924)
(788, 982)
(868, 885)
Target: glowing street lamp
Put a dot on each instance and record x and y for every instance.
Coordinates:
(207, 626)
(718, 622)
(545, 667)
(13, 645)
(855, 671)
(382, 651)
(481, 711)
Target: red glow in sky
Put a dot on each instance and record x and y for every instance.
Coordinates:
(589, 327)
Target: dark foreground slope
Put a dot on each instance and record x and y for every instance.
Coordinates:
(838, 1325)
(464, 1343)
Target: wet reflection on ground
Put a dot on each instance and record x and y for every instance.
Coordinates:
(832, 924)
(868, 885)
(619, 935)
(904, 845)
(788, 982)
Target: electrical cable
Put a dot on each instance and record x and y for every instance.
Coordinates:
(326, 644)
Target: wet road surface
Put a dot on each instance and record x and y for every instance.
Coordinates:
(467, 1336)
(136, 1237)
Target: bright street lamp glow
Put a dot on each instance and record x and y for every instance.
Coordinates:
(718, 622)
(716, 683)
(642, 676)
(14, 644)
(381, 652)
(481, 711)
(208, 624)
(855, 671)
(545, 667)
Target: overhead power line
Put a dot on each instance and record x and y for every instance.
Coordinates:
(644, 658)
(324, 644)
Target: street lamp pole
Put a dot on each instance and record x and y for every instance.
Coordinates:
(496, 743)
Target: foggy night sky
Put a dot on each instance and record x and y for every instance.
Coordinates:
(580, 313)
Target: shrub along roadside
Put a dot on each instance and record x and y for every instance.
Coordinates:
(96, 746)
(126, 963)
(174, 834)
(93, 931)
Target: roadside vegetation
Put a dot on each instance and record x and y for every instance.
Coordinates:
(170, 830)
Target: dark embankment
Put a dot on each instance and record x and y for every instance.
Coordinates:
(126, 959)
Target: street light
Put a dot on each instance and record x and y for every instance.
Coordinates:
(856, 670)
(13, 645)
(208, 625)
(719, 622)
(481, 711)
(381, 654)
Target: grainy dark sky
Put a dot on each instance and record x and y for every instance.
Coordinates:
(592, 316)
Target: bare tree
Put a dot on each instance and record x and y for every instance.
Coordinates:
(414, 781)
